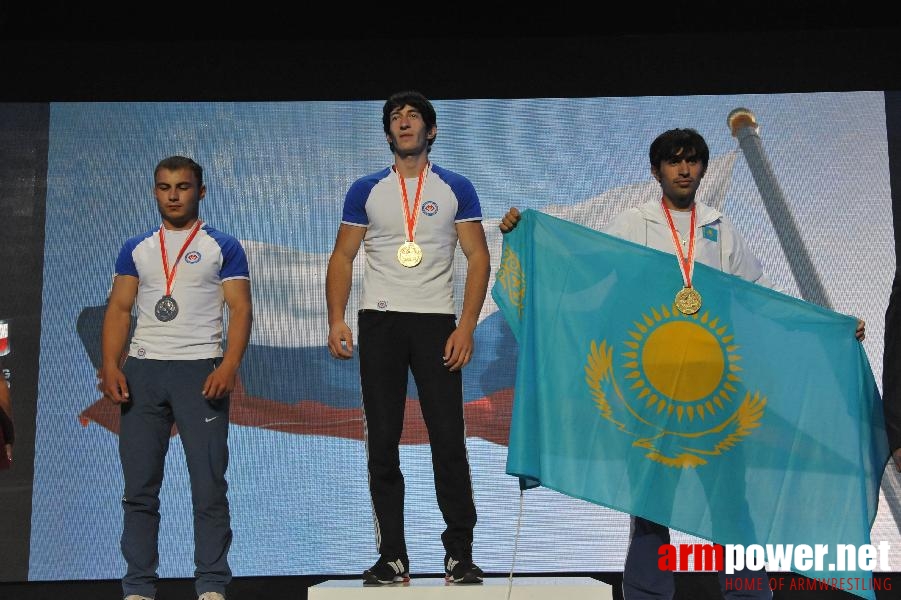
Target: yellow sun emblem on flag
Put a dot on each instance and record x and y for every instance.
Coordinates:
(681, 382)
(681, 366)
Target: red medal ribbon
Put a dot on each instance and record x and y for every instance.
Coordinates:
(411, 219)
(170, 276)
(686, 264)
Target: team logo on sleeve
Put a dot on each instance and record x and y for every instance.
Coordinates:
(430, 208)
(192, 257)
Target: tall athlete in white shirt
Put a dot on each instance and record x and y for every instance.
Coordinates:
(410, 217)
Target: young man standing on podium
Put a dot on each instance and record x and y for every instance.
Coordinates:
(678, 224)
(673, 224)
(410, 217)
(177, 277)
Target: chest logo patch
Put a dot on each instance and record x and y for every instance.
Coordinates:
(430, 208)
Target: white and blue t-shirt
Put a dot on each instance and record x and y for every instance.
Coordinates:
(196, 332)
(375, 202)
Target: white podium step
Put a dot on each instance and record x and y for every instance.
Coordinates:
(494, 588)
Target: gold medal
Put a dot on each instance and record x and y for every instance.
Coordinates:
(688, 301)
(409, 254)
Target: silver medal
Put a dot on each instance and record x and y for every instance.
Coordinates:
(166, 308)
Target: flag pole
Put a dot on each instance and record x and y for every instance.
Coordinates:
(743, 124)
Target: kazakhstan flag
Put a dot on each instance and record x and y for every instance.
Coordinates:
(755, 420)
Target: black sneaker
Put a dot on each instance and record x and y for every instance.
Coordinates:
(386, 571)
(461, 571)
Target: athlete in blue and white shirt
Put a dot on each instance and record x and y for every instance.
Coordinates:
(410, 218)
(373, 206)
(177, 278)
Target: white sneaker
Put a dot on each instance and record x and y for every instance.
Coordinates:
(208, 596)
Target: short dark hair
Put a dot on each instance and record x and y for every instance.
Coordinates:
(677, 143)
(174, 163)
(417, 101)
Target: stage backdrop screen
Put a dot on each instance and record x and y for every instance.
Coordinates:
(276, 176)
